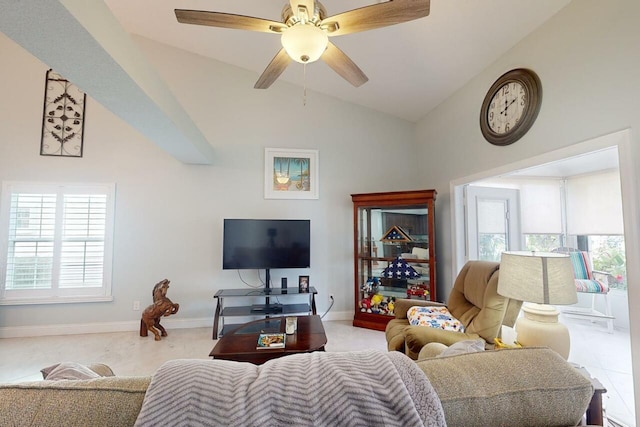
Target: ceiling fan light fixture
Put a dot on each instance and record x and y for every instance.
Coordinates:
(304, 43)
(305, 27)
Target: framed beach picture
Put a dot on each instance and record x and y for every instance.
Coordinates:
(290, 173)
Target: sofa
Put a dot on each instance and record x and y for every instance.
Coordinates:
(523, 387)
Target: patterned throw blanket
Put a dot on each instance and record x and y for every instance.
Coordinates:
(364, 388)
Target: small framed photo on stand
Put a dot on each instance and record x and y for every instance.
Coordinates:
(303, 284)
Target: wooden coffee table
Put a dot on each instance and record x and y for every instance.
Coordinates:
(240, 344)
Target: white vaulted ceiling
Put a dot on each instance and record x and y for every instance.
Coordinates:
(412, 67)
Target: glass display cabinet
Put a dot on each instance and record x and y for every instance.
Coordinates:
(394, 252)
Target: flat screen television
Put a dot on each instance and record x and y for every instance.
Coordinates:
(250, 244)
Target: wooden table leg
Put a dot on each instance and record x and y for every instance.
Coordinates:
(594, 413)
(313, 304)
(594, 410)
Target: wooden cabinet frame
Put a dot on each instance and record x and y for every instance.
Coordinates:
(365, 257)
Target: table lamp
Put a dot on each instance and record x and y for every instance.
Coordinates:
(539, 279)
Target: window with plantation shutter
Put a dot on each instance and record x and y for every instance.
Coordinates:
(55, 242)
(83, 233)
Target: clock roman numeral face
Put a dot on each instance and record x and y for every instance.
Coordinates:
(507, 107)
(510, 106)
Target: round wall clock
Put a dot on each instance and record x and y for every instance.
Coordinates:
(510, 106)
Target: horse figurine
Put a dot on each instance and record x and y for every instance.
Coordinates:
(162, 306)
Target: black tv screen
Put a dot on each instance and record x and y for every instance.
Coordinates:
(265, 243)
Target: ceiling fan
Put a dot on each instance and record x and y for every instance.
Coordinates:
(305, 30)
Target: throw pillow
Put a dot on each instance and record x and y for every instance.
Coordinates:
(463, 347)
(434, 317)
(68, 371)
(101, 369)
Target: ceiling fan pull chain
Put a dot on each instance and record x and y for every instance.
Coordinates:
(304, 79)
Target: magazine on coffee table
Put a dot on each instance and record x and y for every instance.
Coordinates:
(266, 341)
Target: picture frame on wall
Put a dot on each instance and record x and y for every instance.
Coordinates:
(63, 117)
(290, 173)
(303, 284)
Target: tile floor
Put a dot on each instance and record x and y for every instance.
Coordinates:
(606, 356)
(128, 354)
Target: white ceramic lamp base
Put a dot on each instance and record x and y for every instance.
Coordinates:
(539, 327)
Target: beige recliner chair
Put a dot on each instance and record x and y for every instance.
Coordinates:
(474, 301)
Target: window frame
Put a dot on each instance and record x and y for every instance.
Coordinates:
(56, 294)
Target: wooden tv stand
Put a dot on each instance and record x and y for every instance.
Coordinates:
(269, 308)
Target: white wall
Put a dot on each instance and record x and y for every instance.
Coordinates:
(169, 215)
(587, 59)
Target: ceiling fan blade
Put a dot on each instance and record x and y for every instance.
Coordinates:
(375, 16)
(273, 70)
(228, 20)
(343, 65)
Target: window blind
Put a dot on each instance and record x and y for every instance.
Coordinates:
(594, 204)
(31, 241)
(55, 241)
(83, 233)
(541, 206)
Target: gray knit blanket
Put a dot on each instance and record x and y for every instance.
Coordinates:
(364, 388)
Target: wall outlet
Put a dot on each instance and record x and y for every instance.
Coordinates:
(136, 306)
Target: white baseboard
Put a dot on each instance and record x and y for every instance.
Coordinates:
(94, 328)
(125, 326)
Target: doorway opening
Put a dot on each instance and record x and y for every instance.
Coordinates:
(607, 356)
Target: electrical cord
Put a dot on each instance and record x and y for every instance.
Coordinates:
(249, 284)
(330, 305)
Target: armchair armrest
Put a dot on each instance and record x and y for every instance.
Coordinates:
(394, 330)
(603, 273)
(402, 306)
(416, 337)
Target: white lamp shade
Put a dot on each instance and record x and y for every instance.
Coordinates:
(543, 278)
(304, 42)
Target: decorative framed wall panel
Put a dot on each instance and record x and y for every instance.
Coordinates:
(62, 117)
